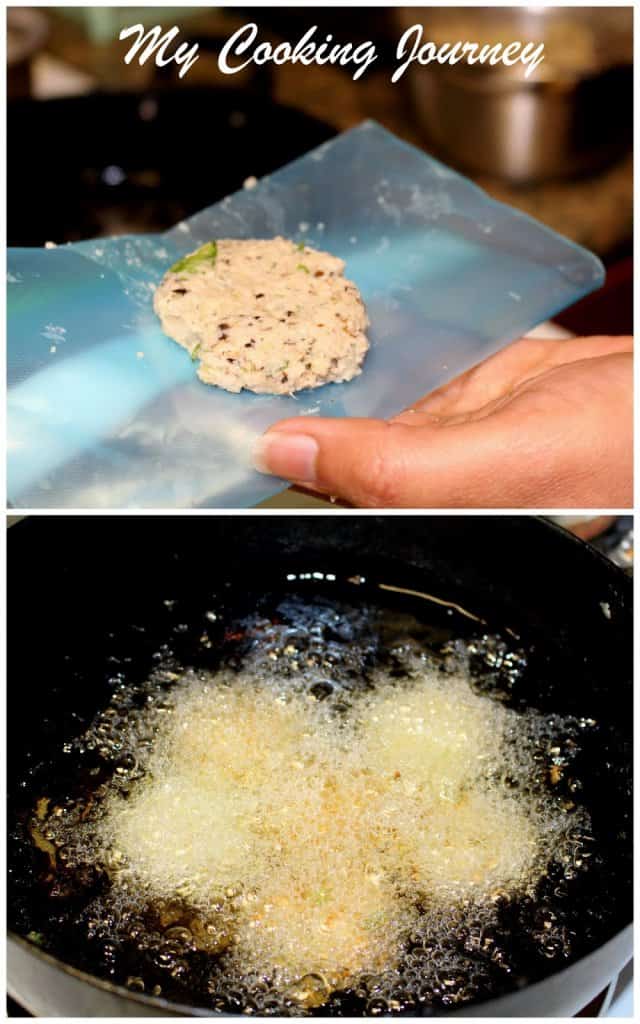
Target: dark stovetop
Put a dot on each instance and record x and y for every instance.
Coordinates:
(122, 163)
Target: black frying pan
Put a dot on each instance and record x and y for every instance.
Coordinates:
(87, 607)
(116, 168)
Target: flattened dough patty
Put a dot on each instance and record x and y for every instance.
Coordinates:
(269, 316)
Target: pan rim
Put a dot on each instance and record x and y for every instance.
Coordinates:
(624, 935)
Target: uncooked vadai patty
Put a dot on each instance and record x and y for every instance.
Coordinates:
(269, 316)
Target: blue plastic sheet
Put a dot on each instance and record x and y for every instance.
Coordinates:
(104, 411)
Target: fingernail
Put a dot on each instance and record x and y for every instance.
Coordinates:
(292, 456)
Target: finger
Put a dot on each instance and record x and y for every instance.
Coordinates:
(487, 380)
(499, 375)
(373, 464)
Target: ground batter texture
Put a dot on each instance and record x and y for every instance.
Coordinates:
(269, 316)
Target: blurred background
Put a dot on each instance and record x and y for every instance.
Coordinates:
(96, 147)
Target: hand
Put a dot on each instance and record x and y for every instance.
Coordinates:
(541, 424)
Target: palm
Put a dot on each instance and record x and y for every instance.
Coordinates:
(529, 370)
(542, 424)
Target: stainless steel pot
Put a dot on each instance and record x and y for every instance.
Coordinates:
(572, 115)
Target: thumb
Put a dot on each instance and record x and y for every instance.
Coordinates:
(375, 464)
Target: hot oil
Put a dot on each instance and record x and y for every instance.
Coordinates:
(327, 806)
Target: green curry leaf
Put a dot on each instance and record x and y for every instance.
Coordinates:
(207, 253)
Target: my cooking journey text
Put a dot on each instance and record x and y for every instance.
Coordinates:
(245, 47)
